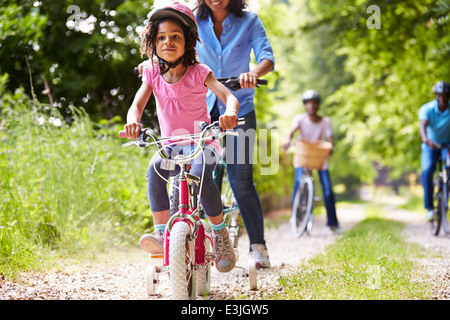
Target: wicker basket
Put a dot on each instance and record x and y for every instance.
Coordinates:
(311, 155)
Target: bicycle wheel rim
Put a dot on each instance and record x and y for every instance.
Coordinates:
(301, 209)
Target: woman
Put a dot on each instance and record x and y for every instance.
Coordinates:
(228, 33)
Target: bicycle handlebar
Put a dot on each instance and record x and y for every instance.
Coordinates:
(234, 84)
(209, 131)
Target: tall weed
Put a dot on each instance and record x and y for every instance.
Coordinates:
(65, 186)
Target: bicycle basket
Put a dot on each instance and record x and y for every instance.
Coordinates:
(311, 155)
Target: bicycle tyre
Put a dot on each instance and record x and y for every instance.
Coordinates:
(445, 215)
(231, 210)
(435, 224)
(203, 273)
(174, 196)
(302, 207)
(181, 263)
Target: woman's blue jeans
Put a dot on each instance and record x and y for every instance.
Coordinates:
(428, 160)
(327, 191)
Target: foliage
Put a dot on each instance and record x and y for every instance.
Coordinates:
(67, 187)
(81, 52)
(394, 68)
(372, 81)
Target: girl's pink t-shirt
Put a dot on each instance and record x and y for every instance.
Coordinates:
(180, 106)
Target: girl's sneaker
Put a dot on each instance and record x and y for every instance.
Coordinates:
(223, 251)
(259, 254)
(152, 243)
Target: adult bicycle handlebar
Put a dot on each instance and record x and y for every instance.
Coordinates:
(234, 84)
(231, 82)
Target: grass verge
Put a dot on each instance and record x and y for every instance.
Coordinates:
(371, 261)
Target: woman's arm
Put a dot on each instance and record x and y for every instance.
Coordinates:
(229, 119)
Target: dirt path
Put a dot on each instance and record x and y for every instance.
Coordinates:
(119, 275)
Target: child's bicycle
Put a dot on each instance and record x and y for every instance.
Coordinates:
(188, 243)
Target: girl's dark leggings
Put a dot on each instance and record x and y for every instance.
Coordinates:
(157, 187)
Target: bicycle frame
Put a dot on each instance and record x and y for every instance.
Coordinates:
(188, 207)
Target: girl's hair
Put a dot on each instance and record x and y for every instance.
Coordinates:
(148, 44)
(236, 7)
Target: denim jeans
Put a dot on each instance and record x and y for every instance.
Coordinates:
(328, 194)
(428, 160)
(239, 159)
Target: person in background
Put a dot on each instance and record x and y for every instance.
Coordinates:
(228, 33)
(313, 127)
(434, 118)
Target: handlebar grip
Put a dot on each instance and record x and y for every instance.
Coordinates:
(261, 81)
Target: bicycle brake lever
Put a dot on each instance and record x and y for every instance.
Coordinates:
(141, 140)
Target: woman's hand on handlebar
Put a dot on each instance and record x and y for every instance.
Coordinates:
(228, 121)
(248, 80)
(131, 130)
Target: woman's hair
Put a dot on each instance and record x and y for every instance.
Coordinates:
(237, 7)
(148, 44)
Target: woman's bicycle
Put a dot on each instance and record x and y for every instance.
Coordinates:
(187, 254)
(231, 211)
(441, 194)
(232, 214)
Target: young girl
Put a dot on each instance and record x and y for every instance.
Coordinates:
(180, 83)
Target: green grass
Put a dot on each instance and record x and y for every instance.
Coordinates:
(64, 188)
(371, 261)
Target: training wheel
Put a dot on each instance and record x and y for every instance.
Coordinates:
(150, 280)
(252, 274)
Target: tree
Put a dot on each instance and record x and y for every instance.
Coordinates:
(80, 52)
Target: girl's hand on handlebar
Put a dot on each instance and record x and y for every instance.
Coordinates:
(228, 121)
(132, 130)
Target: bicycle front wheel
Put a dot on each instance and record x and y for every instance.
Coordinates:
(302, 207)
(435, 224)
(181, 262)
